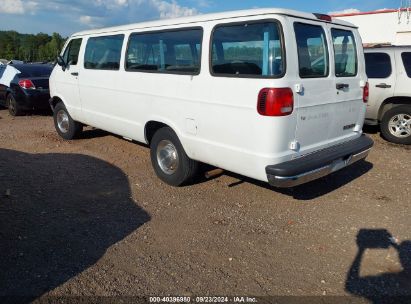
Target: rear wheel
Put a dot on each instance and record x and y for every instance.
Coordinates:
(65, 126)
(13, 106)
(169, 160)
(396, 125)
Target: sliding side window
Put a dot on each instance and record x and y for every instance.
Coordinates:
(248, 50)
(103, 53)
(172, 51)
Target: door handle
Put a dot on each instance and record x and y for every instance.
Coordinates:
(383, 86)
(342, 86)
(74, 74)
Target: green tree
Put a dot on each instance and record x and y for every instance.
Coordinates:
(28, 47)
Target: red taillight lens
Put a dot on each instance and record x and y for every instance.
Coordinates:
(275, 102)
(366, 93)
(26, 84)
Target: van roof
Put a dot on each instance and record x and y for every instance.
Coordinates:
(210, 17)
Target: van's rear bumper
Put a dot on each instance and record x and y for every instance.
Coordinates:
(318, 164)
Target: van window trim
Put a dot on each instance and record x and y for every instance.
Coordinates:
(103, 36)
(391, 66)
(180, 29)
(327, 49)
(355, 49)
(282, 43)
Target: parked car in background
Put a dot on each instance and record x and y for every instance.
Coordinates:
(28, 90)
(389, 105)
(243, 91)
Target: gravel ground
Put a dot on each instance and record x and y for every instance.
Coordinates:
(89, 217)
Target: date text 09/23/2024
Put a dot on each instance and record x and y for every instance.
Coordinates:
(208, 299)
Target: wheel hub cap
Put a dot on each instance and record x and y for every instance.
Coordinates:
(167, 157)
(400, 125)
(63, 121)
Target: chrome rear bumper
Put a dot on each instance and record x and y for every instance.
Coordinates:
(318, 164)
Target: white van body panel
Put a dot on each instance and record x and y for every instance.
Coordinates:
(216, 118)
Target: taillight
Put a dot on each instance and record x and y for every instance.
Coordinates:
(366, 93)
(275, 102)
(27, 84)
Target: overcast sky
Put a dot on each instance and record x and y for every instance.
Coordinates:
(69, 16)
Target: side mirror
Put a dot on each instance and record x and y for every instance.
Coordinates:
(61, 62)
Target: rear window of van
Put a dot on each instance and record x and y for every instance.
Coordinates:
(247, 49)
(312, 50)
(346, 62)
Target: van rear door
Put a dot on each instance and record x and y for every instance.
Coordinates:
(316, 96)
(330, 102)
(350, 78)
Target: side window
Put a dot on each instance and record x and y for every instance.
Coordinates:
(71, 52)
(312, 48)
(378, 65)
(406, 59)
(345, 52)
(247, 49)
(172, 52)
(184, 54)
(103, 53)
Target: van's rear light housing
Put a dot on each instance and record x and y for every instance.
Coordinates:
(27, 84)
(275, 102)
(366, 93)
(324, 17)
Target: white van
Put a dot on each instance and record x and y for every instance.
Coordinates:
(272, 94)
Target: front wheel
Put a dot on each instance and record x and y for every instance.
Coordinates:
(65, 126)
(13, 106)
(396, 125)
(169, 160)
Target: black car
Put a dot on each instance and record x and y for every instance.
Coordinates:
(28, 90)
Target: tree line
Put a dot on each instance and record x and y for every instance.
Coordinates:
(29, 47)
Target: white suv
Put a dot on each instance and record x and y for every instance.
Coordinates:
(389, 74)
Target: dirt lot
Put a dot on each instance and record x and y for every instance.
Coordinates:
(89, 217)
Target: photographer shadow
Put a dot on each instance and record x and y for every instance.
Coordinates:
(59, 214)
(387, 287)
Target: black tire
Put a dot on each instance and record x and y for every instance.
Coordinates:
(184, 171)
(72, 128)
(13, 106)
(387, 132)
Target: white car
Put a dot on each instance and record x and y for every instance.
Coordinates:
(244, 91)
(389, 105)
